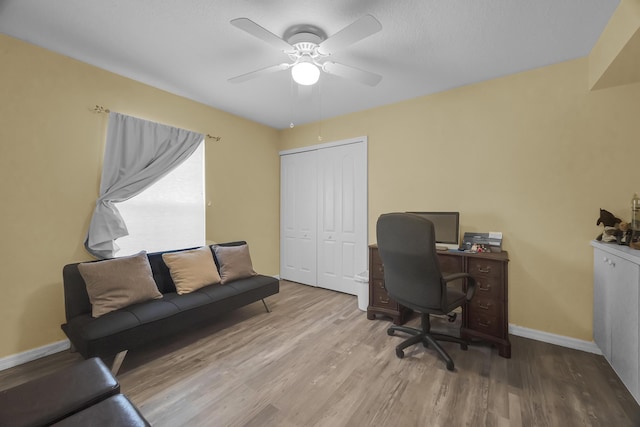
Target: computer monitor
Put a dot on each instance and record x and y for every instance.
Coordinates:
(446, 225)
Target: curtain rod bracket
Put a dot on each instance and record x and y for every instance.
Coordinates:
(99, 109)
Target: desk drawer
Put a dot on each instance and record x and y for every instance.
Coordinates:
(377, 271)
(485, 268)
(487, 323)
(381, 299)
(489, 278)
(482, 306)
(489, 288)
(378, 285)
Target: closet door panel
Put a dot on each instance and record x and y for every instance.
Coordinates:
(348, 261)
(348, 221)
(342, 226)
(298, 210)
(328, 224)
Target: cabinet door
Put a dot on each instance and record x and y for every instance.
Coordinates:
(624, 320)
(601, 303)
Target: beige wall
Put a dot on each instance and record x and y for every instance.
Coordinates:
(51, 149)
(534, 155)
(615, 59)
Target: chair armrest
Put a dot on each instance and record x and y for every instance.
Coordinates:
(471, 282)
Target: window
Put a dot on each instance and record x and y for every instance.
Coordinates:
(168, 215)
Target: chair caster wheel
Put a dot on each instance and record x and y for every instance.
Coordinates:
(450, 366)
(400, 354)
(465, 347)
(391, 332)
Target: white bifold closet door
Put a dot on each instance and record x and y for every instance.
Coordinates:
(324, 215)
(298, 223)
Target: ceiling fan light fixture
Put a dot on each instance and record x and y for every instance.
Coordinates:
(305, 73)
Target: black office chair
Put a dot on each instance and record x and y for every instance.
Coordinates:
(412, 277)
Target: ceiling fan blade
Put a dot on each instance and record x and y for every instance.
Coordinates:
(363, 27)
(263, 34)
(259, 73)
(353, 73)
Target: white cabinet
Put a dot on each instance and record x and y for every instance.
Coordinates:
(601, 311)
(616, 293)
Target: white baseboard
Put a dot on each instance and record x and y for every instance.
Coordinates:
(33, 354)
(588, 346)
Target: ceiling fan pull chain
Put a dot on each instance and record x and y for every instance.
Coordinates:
(291, 100)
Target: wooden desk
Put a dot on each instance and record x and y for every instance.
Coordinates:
(485, 317)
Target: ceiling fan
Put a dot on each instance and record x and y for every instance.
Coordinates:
(309, 50)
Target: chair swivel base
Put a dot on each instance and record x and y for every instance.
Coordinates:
(426, 337)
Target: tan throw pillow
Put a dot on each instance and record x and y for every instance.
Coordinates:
(117, 283)
(192, 269)
(235, 262)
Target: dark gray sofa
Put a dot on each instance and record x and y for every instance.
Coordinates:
(116, 332)
(83, 394)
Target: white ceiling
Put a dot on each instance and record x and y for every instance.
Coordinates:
(188, 47)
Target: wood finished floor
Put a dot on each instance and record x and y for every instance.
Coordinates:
(317, 361)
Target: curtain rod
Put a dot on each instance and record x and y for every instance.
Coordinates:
(100, 109)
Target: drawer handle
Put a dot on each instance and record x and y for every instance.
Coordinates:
(484, 306)
(383, 300)
(485, 287)
(484, 270)
(483, 324)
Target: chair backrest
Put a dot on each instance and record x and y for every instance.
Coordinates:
(407, 247)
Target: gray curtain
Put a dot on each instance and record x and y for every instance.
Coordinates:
(137, 154)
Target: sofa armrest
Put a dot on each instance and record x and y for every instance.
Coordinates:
(76, 298)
